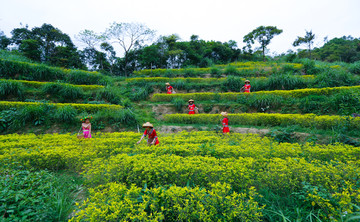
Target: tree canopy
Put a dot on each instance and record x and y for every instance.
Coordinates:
(307, 39)
(50, 45)
(47, 44)
(263, 35)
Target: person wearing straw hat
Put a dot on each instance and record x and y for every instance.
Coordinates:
(169, 89)
(149, 131)
(192, 108)
(225, 123)
(246, 87)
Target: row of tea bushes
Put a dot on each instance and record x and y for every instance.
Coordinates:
(40, 72)
(265, 119)
(297, 93)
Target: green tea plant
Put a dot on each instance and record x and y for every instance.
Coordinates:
(65, 114)
(14, 89)
(179, 104)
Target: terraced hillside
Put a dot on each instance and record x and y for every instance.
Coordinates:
(300, 163)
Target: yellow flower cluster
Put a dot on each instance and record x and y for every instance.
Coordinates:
(79, 106)
(194, 159)
(260, 64)
(265, 119)
(160, 97)
(116, 202)
(38, 84)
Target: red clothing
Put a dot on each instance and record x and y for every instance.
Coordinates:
(152, 136)
(192, 109)
(225, 123)
(247, 88)
(169, 89)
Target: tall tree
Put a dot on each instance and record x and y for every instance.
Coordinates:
(47, 44)
(128, 35)
(90, 38)
(51, 37)
(307, 39)
(263, 35)
(31, 49)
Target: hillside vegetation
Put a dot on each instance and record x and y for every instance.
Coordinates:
(47, 174)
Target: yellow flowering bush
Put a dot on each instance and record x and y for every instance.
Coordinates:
(231, 96)
(116, 202)
(265, 119)
(174, 178)
(78, 106)
(38, 84)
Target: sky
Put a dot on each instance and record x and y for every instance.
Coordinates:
(220, 20)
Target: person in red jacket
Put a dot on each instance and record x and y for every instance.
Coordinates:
(169, 89)
(149, 131)
(191, 107)
(225, 123)
(246, 87)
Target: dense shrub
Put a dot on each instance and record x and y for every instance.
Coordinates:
(215, 72)
(231, 70)
(345, 103)
(309, 66)
(110, 94)
(179, 104)
(41, 72)
(141, 93)
(218, 203)
(233, 83)
(355, 68)
(64, 92)
(333, 78)
(264, 119)
(286, 81)
(125, 117)
(265, 102)
(35, 196)
(65, 114)
(11, 88)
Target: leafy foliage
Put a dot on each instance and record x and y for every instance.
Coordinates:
(35, 196)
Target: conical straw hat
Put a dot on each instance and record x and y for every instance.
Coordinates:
(225, 114)
(147, 124)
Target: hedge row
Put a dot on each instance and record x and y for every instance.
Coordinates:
(298, 93)
(37, 84)
(249, 68)
(4, 105)
(168, 79)
(41, 72)
(264, 119)
(195, 80)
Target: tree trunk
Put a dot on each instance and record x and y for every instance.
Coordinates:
(263, 49)
(125, 66)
